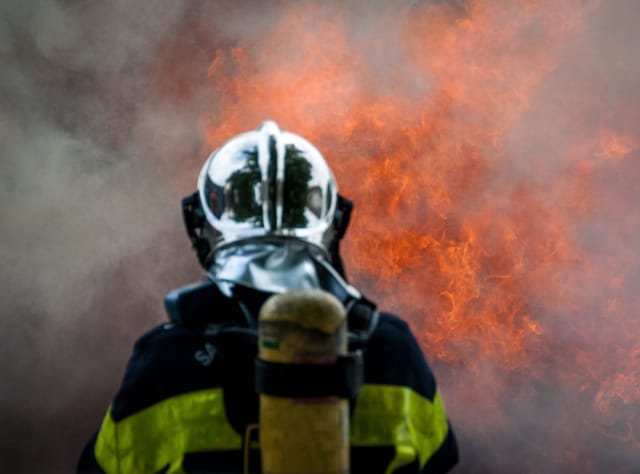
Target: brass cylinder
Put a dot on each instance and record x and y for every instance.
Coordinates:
(303, 435)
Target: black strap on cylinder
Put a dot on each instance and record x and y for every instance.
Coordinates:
(342, 379)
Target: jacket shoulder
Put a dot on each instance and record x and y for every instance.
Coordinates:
(394, 357)
(167, 360)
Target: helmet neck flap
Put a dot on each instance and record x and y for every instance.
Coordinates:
(276, 266)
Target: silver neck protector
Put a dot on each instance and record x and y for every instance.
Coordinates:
(277, 266)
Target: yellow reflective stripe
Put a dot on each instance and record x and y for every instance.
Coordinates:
(176, 467)
(162, 433)
(385, 415)
(390, 415)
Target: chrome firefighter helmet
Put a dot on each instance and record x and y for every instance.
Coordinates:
(266, 183)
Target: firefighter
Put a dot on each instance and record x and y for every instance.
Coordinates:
(266, 219)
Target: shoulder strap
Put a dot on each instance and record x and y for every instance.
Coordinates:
(362, 318)
(200, 304)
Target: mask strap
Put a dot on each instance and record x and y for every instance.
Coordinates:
(194, 221)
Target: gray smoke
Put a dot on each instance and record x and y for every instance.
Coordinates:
(89, 199)
(100, 136)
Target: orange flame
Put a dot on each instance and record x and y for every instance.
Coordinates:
(485, 226)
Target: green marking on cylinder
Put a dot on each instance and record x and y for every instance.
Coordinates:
(270, 343)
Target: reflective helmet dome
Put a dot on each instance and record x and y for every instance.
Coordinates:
(268, 182)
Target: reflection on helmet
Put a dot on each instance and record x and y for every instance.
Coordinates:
(268, 183)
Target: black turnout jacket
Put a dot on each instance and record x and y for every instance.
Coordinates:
(188, 396)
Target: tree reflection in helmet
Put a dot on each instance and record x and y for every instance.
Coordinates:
(268, 183)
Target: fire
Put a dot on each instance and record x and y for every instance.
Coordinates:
(494, 232)
(615, 146)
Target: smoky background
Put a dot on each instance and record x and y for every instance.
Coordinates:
(108, 110)
(92, 155)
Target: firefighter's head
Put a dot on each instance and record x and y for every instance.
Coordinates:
(266, 185)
